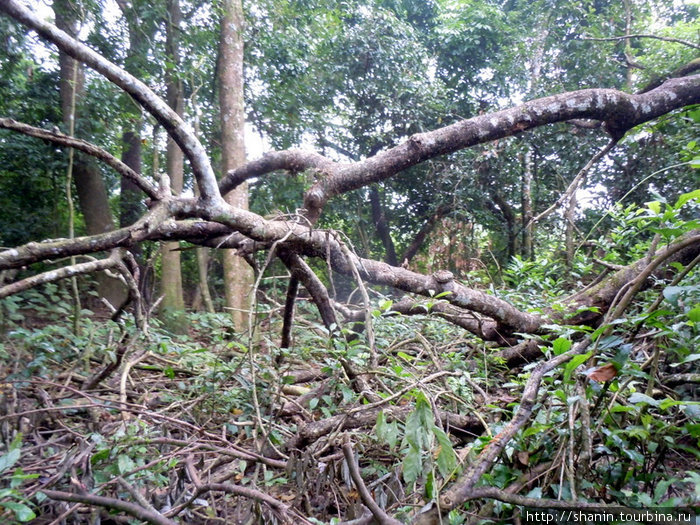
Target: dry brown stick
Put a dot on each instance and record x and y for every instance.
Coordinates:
(237, 490)
(543, 503)
(382, 517)
(111, 503)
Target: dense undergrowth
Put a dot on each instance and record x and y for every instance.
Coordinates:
(215, 427)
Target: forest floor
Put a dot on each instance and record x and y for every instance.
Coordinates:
(210, 427)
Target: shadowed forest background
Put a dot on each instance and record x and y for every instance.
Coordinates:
(388, 261)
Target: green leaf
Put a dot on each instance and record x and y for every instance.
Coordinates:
(654, 206)
(446, 459)
(671, 294)
(412, 465)
(561, 345)
(22, 512)
(124, 463)
(9, 459)
(694, 315)
(575, 362)
(430, 488)
(691, 195)
(638, 398)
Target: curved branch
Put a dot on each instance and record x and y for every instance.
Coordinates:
(111, 503)
(292, 160)
(86, 147)
(618, 110)
(113, 261)
(181, 133)
(644, 35)
(382, 517)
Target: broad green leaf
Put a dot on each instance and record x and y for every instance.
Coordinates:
(561, 345)
(412, 465)
(694, 315)
(446, 459)
(575, 362)
(638, 398)
(22, 512)
(688, 196)
(654, 206)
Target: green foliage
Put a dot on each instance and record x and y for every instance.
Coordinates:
(15, 507)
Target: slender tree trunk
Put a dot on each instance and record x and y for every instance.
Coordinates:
(419, 239)
(130, 207)
(380, 223)
(90, 188)
(569, 217)
(173, 304)
(238, 276)
(510, 217)
(526, 196)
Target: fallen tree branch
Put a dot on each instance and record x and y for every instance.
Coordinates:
(132, 509)
(113, 261)
(86, 147)
(382, 517)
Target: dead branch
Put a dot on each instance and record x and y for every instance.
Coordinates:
(382, 517)
(113, 261)
(86, 147)
(111, 503)
(463, 488)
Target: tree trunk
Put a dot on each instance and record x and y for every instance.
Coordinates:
(526, 196)
(569, 217)
(90, 188)
(173, 304)
(238, 276)
(381, 226)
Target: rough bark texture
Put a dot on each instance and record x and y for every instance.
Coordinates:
(238, 276)
(90, 188)
(171, 275)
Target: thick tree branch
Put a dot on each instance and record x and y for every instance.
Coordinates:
(169, 119)
(113, 261)
(65, 140)
(620, 112)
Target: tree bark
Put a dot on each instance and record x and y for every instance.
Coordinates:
(173, 303)
(526, 199)
(381, 226)
(238, 276)
(90, 188)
